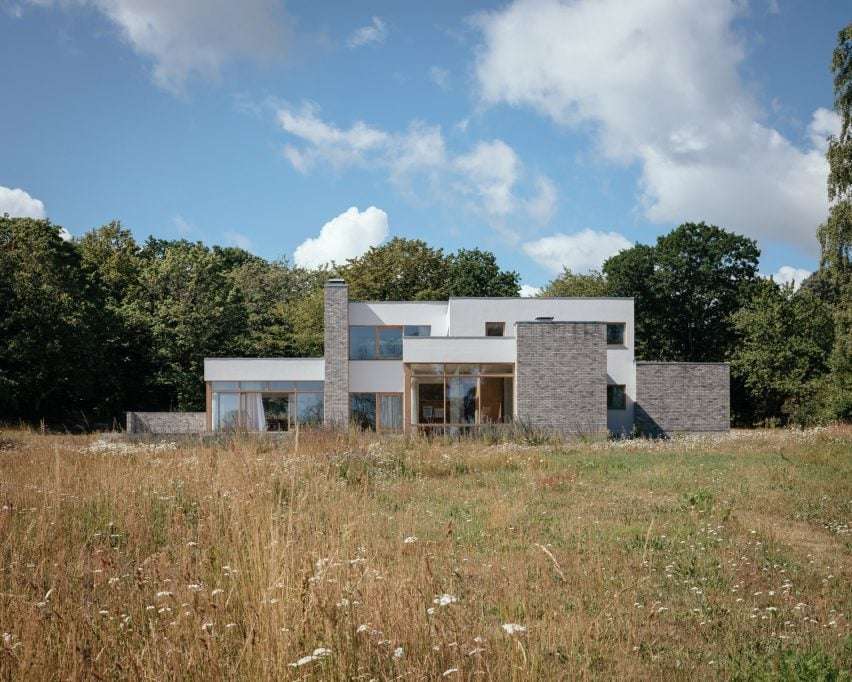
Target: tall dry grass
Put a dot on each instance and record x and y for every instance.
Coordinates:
(379, 558)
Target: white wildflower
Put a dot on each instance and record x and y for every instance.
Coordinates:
(399, 652)
(514, 628)
(445, 600)
(410, 540)
(317, 655)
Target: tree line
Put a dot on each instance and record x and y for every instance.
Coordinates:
(96, 325)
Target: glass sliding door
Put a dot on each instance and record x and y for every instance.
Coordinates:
(276, 409)
(495, 400)
(461, 400)
(461, 395)
(362, 410)
(390, 413)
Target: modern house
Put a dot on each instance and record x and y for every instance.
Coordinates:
(560, 364)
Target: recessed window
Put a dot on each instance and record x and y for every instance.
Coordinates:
(616, 397)
(495, 328)
(376, 411)
(417, 330)
(615, 334)
(375, 343)
(363, 410)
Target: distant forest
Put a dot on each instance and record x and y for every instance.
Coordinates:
(96, 325)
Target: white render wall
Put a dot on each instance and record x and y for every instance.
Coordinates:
(458, 350)
(433, 313)
(264, 369)
(376, 376)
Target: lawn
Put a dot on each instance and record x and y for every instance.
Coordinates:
(360, 557)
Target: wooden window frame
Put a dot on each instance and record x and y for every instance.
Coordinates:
(376, 345)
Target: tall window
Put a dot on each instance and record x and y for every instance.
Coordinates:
(363, 410)
(615, 334)
(375, 343)
(376, 411)
(495, 328)
(616, 397)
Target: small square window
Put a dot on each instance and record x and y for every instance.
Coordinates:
(616, 398)
(615, 334)
(495, 328)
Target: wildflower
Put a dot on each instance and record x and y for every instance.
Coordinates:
(410, 540)
(195, 587)
(315, 656)
(399, 652)
(207, 627)
(444, 600)
(218, 590)
(514, 628)
(163, 593)
(430, 610)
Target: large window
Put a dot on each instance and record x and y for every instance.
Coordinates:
(616, 397)
(615, 334)
(362, 410)
(375, 343)
(417, 330)
(376, 411)
(266, 405)
(461, 395)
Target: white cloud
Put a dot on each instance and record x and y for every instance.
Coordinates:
(490, 176)
(183, 226)
(579, 252)
(824, 124)
(238, 239)
(440, 77)
(18, 204)
(189, 38)
(658, 81)
(787, 274)
(65, 235)
(492, 168)
(339, 147)
(347, 236)
(529, 291)
(376, 32)
(542, 206)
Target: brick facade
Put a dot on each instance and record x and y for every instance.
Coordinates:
(336, 335)
(166, 422)
(561, 376)
(675, 397)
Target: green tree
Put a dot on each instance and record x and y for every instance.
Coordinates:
(473, 272)
(835, 235)
(49, 358)
(687, 287)
(781, 354)
(399, 270)
(188, 302)
(274, 297)
(568, 284)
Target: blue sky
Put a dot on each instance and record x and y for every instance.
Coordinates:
(552, 133)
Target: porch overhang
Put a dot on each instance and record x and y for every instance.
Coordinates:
(458, 349)
(264, 369)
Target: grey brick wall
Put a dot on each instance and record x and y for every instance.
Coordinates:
(166, 422)
(336, 387)
(561, 376)
(674, 397)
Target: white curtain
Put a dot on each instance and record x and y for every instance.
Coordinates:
(261, 416)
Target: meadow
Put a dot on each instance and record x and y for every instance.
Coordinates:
(360, 557)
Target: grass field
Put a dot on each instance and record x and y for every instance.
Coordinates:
(356, 557)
